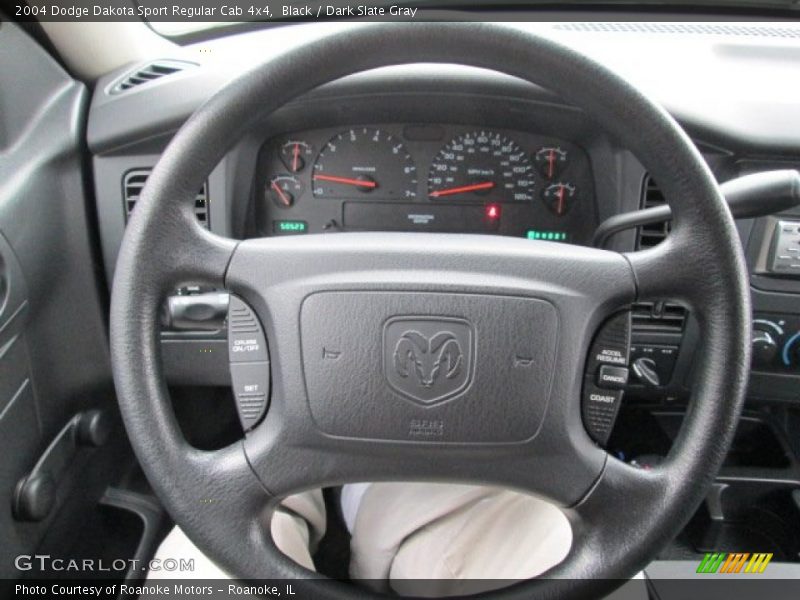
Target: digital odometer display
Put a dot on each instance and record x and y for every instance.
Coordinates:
(482, 166)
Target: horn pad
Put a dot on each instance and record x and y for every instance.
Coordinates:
(428, 366)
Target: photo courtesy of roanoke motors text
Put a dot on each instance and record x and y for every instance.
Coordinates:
(403, 298)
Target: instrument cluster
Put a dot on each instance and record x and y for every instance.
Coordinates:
(439, 178)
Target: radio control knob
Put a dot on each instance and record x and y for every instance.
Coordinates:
(765, 348)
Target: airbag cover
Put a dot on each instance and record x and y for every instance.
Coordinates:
(428, 366)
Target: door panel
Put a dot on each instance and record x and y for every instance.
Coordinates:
(53, 339)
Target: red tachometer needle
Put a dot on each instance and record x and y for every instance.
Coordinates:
(551, 162)
(346, 181)
(284, 198)
(486, 185)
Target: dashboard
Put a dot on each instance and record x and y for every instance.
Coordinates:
(425, 177)
(444, 148)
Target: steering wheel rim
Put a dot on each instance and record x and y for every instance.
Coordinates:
(222, 498)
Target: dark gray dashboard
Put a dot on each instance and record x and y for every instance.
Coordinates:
(607, 177)
(127, 132)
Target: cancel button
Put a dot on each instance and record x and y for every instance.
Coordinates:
(612, 378)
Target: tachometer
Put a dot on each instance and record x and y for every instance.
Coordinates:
(364, 162)
(484, 166)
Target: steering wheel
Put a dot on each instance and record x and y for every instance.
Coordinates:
(334, 421)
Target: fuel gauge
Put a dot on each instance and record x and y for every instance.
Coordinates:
(284, 190)
(296, 154)
(551, 161)
(559, 197)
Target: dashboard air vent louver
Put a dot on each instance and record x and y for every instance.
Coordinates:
(650, 235)
(658, 317)
(148, 73)
(133, 181)
(655, 317)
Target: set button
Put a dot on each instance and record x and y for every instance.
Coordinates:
(249, 362)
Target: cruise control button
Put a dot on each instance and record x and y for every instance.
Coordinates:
(612, 344)
(599, 410)
(246, 341)
(605, 377)
(251, 389)
(614, 378)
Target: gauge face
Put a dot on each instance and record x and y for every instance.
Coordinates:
(365, 163)
(483, 166)
(295, 155)
(284, 190)
(551, 161)
(559, 197)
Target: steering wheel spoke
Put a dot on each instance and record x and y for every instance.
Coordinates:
(668, 271)
(400, 356)
(605, 516)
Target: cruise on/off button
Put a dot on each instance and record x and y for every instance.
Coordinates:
(246, 341)
(249, 363)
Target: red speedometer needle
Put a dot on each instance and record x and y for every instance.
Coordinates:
(346, 180)
(486, 185)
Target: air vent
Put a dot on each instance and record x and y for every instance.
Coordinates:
(133, 182)
(655, 317)
(148, 73)
(651, 235)
(658, 317)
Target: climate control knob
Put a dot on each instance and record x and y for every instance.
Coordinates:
(765, 348)
(791, 351)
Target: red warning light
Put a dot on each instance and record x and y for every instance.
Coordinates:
(493, 211)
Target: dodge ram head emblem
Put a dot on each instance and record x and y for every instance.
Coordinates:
(428, 360)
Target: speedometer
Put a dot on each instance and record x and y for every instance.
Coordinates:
(482, 165)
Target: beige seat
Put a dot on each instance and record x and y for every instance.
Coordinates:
(296, 529)
(467, 538)
(406, 532)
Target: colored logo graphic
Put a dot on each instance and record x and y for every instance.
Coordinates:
(734, 562)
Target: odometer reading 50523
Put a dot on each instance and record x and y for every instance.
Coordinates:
(482, 165)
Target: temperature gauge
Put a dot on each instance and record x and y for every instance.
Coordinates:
(284, 190)
(550, 161)
(295, 155)
(559, 197)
